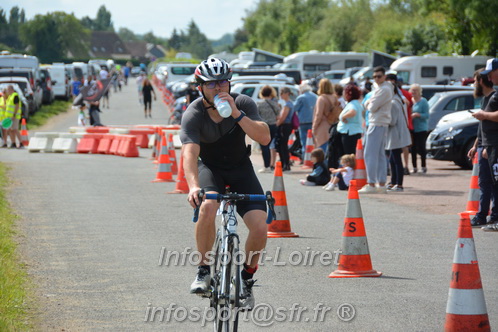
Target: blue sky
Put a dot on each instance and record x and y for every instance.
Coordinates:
(214, 18)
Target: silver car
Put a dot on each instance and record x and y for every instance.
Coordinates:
(443, 103)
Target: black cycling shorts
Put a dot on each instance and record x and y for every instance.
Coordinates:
(242, 180)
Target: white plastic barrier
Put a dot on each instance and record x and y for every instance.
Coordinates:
(42, 142)
(66, 142)
(121, 131)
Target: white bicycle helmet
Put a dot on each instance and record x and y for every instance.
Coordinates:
(212, 69)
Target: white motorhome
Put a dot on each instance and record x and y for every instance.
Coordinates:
(313, 63)
(433, 69)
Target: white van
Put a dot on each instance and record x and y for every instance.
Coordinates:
(60, 81)
(433, 69)
(313, 63)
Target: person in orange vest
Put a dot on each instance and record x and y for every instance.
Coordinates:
(13, 110)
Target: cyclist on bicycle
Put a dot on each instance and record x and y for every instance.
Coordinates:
(215, 155)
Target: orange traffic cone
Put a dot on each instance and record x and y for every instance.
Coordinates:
(466, 308)
(360, 172)
(474, 191)
(307, 152)
(164, 171)
(24, 133)
(160, 135)
(172, 154)
(290, 142)
(181, 182)
(280, 227)
(355, 257)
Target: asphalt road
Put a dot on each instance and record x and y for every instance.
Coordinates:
(92, 228)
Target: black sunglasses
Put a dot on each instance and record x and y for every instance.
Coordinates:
(212, 84)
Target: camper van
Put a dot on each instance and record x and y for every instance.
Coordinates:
(433, 69)
(313, 63)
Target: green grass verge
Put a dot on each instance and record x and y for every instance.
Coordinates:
(13, 276)
(46, 112)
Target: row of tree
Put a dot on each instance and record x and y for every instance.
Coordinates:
(54, 35)
(413, 26)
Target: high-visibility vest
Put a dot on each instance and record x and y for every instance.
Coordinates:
(11, 107)
(2, 107)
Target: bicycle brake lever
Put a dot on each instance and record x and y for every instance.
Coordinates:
(196, 209)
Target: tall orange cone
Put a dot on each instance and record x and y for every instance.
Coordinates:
(172, 154)
(159, 139)
(466, 309)
(181, 182)
(280, 227)
(307, 151)
(164, 170)
(24, 133)
(154, 146)
(474, 191)
(355, 257)
(360, 171)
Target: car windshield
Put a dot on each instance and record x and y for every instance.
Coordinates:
(434, 100)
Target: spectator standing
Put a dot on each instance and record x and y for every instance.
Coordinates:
(398, 137)
(75, 87)
(338, 92)
(268, 109)
(408, 99)
(379, 117)
(284, 128)
(147, 91)
(483, 88)
(350, 120)
(323, 114)
(13, 110)
(3, 105)
(304, 107)
(420, 118)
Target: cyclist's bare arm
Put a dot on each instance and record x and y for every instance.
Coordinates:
(190, 152)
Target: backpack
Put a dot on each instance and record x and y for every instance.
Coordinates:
(295, 121)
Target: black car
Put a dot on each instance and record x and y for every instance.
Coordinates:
(453, 140)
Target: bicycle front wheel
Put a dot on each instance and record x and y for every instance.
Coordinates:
(227, 309)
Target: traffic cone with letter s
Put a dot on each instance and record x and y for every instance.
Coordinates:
(355, 258)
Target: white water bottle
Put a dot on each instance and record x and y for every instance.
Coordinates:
(223, 107)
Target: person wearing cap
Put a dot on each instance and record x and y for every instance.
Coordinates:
(483, 88)
(379, 118)
(489, 133)
(215, 155)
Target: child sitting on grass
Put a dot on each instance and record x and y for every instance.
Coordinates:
(342, 176)
(320, 174)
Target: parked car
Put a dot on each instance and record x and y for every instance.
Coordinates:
(46, 84)
(135, 71)
(29, 74)
(61, 80)
(358, 77)
(429, 90)
(335, 76)
(252, 89)
(20, 91)
(444, 103)
(453, 138)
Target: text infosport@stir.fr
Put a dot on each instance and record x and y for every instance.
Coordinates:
(307, 257)
(262, 314)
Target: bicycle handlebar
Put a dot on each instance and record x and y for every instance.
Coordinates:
(239, 197)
